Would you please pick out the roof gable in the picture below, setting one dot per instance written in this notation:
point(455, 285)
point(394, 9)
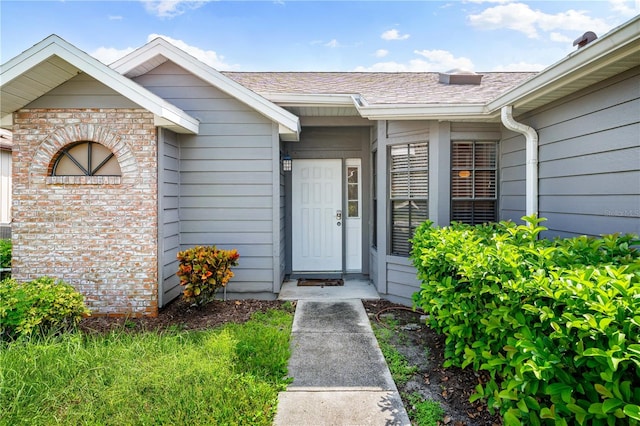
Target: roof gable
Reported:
point(53, 61)
point(612, 54)
point(158, 51)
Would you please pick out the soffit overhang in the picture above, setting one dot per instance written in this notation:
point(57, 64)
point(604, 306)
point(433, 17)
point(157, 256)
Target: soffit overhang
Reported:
point(610, 55)
point(53, 61)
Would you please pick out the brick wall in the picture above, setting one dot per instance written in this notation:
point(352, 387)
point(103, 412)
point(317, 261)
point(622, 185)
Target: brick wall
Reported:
point(97, 233)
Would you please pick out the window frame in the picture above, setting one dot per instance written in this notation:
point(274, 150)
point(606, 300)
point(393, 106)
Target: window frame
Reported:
point(421, 195)
point(374, 198)
point(89, 171)
point(473, 169)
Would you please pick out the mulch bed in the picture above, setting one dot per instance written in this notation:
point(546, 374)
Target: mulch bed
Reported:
point(179, 314)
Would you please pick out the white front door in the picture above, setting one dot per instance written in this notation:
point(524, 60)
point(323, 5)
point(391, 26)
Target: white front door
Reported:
point(317, 215)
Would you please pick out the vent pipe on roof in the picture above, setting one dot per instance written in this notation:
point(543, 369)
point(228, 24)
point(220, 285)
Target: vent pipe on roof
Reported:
point(531, 171)
point(585, 39)
point(460, 76)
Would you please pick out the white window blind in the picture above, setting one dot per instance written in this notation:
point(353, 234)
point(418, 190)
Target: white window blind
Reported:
point(474, 182)
point(409, 193)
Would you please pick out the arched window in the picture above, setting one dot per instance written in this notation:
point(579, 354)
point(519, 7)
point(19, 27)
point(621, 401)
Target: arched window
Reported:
point(85, 158)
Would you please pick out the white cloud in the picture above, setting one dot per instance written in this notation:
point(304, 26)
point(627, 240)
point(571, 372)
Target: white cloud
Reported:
point(209, 57)
point(115, 18)
point(560, 38)
point(520, 66)
point(108, 55)
point(488, 1)
point(626, 8)
point(383, 67)
point(436, 61)
point(381, 53)
point(394, 35)
point(520, 17)
point(333, 43)
point(171, 8)
point(441, 60)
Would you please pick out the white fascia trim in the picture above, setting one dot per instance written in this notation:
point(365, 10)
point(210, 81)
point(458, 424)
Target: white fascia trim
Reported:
point(55, 46)
point(309, 100)
point(288, 123)
point(618, 43)
point(423, 112)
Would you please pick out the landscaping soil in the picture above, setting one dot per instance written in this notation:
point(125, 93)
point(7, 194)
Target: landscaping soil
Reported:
point(422, 347)
point(179, 315)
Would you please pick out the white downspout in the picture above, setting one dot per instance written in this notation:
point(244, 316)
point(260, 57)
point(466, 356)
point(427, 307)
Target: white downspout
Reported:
point(531, 137)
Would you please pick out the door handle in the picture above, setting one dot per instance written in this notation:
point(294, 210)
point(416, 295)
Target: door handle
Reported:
point(339, 215)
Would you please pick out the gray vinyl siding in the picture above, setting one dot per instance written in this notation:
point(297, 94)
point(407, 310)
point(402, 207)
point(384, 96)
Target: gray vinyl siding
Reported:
point(589, 160)
point(226, 177)
point(82, 91)
point(329, 142)
point(168, 217)
point(512, 202)
point(402, 281)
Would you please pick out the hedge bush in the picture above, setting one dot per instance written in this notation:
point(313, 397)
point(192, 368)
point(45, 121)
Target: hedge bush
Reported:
point(5, 253)
point(43, 306)
point(556, 323)
point(203, 270)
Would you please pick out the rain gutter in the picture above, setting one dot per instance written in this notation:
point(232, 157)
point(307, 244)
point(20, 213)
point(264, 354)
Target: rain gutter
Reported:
point(531, 171)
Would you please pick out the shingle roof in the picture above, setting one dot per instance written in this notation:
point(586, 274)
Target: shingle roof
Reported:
point(381, 88)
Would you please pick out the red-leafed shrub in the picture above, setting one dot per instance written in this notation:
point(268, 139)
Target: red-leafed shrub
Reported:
point(203, 270)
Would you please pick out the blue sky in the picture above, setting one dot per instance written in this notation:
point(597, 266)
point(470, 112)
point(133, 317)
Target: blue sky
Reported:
point(480, 35)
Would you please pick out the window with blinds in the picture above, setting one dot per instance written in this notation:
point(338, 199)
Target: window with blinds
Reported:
point(474, 182)
point(374, 198)
point(409, 193)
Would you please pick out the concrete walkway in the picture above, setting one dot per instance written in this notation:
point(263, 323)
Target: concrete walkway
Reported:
point(339, 374)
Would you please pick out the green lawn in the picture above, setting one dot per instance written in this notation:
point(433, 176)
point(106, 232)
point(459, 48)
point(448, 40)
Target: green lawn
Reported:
point(231, 375)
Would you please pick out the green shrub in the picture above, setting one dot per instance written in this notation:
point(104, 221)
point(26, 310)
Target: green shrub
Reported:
point(556, 323)
point(5, 253)
point(203, 270)
point(42, 305)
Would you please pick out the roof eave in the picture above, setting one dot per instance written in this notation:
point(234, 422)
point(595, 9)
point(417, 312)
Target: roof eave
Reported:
point(310, 100)
point(289, 124)
point(55, 46)
point(472, 112)
point(620, 43)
